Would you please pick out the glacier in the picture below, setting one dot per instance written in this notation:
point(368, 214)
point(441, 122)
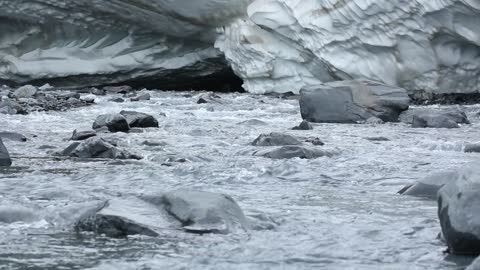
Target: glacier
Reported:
point(271, 45)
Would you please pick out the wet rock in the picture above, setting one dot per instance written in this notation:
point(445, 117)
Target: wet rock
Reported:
point(429, 186)
point(142, 97)
point(68, 95)
point(88, 99)
point(315, 141)
point(253, 122)
point(124, 89)
point(378, 139)
point(288, 152)
point(11, 107)
point(117, 100)
point(140, 120)
point(304, 125)
point(352, 101)
point(374, 121)
point(154, 143)
point(431, 118)
point(458, 211)
point(11, 214)
point(122, 217)
point(275, 139)
point(208, 98)
point(5, 160)
point(114, 122)
point(469, 148)
point(204, 212)
point(13, 136)
point(80, 135)
point(96, 148)
point(475, 265)
point(26, 91)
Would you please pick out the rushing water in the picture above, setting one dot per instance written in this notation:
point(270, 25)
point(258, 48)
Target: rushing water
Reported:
point(331, 213)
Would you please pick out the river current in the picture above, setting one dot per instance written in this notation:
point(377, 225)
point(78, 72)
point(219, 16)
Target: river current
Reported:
point(340, 212)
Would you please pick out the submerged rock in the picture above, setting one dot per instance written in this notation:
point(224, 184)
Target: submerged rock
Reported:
point(192, 211)
point(140, 120)
point(117, 100)
point(472, 148)
point(315, 141)
point(374, 121)
point(275, 139)
point(80, 135)
point(458, 211)
point(114, 122)
point(142, 97)
point(304, 125)
point(13, 136)
point(291, 151)
point(96, 148)
point(475, 265)
point(352, 101)
point(430, 185)
point(5, 160)
point(11, 214)
point(124, 89)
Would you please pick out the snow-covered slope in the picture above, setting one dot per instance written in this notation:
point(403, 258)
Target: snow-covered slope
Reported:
point(273, 45)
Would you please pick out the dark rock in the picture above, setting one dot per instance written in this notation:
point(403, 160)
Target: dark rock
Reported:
point(469, 148)
point(429, 186)
point(140, 120)
point(46, 147)
point(11, 107)
point(378, 139)
point(154, 143)
point(118, 100)
point(287, 152)
point(208, 98)
point(142, 97)
point(420, 117)
point(253, 122)
point(88, 99)
point(13, 136)
point(5, 160)
point(68, 95)
point(80, 135)
point(26, 91)
point(96, 148)
point(304, 125)
point(203, 212)
point(275, 139)
point(118, 89)
point(458, 211)
point(315, 141)
point(122, 217)
point(352, 101)
point(114, 122)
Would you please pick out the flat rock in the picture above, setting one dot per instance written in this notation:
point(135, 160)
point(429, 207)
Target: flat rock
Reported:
point(80, 135)
point(352, 101)
point(117, 100)
point(458, 211)
point(26, 91)
point(304, 125)
point(429, 186)
point(430, 118)
point(114, 122)
point(293, 151)
point(5, 160)
point(275, 139)
point(13, 136)
point(205, 212)
point(140, 120)
point(96, 148)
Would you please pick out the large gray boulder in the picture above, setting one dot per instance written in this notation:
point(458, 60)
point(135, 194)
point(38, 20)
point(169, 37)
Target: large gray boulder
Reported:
point(114, 122)
point(458, 210)
point(140, 120)
point(294, 151)
point(153, 215)
point(275, 139)
point(13, 136)
point(5, 160)
point(430, 185)
point(432, 118)
point(26, 91)
point(352, 101)
point(96, 148)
